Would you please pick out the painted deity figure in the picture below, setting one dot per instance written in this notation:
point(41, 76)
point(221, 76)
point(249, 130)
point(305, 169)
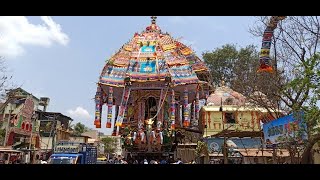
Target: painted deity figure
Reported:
point(149, 124)
point(139, 140)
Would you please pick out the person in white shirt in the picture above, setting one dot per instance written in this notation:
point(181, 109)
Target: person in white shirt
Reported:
point(145, 161)
point(43, 162)
point(179, 161)
point(155, 162)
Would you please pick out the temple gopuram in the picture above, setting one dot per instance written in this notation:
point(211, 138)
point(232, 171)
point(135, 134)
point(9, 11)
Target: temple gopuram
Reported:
point(151, 90)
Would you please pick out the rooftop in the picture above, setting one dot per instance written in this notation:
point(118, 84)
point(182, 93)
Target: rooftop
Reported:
point(224, 95)
point(52, 114)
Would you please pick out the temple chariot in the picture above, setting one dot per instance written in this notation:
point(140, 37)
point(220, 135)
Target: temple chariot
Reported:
point(151, 89)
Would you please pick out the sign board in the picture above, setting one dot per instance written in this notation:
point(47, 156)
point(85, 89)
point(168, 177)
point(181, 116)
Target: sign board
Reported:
point(215, 144)
point(284, 129)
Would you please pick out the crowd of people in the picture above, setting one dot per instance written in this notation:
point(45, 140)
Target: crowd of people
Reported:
point(121, 160)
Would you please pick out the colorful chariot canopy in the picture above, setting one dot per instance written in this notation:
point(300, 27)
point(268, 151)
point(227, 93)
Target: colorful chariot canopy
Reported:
point(152, 56)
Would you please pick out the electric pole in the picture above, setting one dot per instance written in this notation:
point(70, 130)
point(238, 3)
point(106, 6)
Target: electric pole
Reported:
point(225, 153)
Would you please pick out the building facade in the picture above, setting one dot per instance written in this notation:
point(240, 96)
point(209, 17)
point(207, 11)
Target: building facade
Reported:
point(17, 117)
point(227, 109)
point(79, 139)
point(232, 127)
point(54, 127)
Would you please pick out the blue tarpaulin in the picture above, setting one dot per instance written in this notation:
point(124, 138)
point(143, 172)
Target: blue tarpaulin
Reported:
point(215, 144)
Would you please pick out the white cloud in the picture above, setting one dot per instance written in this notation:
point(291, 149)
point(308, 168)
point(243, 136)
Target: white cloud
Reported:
point(79, 113)
point(17, 32)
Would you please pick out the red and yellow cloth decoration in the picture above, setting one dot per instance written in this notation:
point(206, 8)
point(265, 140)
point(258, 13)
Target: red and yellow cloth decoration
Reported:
point(110, 103)
point(197, 106)
point(186, 120)
point(173, 110)
point(98, 101)
point(265, 64)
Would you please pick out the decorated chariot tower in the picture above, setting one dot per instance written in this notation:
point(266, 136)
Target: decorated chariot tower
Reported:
point(151, 89)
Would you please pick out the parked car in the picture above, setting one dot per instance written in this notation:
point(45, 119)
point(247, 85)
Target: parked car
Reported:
point(102, 160)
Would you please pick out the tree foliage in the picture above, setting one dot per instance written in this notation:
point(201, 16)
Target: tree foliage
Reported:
point(110, 144)
point(5, 81)
point(294, 86)
point(79, 128)
point(202, 149)
point(310, 79)
point(295, 47)
point(221, 63)
point(295, 42)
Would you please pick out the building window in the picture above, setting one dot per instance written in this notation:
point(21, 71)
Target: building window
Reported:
point(230, 119)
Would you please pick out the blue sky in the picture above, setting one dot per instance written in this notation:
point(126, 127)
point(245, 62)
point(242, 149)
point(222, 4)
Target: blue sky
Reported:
point(61, 57)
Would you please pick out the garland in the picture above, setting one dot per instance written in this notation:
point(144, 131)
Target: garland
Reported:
point(98, 102)
point(197, 107)
point(172, 109)
point(110, 103)
point(186, 119)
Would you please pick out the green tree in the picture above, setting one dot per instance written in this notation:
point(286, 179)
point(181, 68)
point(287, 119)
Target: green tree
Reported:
point(202, 151)
point(79, 128)
point(295, 46)
point(295, 84)
point(110, 144)
point(237, 67)
point(309, 78)
point(221, 62)
point(294, 43)
point(5, 81)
